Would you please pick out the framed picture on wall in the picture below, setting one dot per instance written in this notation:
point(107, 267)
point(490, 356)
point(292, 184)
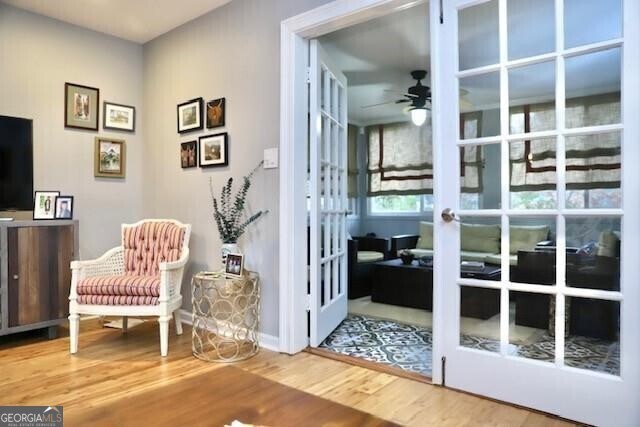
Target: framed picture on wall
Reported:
point(109, 158)
point(190, 115)
point(189, 154)
point(213, 150)
point(118, 117)
point(44, 204)
point(64, 207)
point(215, 113)
point(81, 106)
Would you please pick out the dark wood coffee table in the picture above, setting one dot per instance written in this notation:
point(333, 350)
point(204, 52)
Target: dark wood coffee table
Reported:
point(412, 286)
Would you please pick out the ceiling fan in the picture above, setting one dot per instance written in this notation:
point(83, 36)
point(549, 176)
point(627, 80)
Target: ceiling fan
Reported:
point(417, 96)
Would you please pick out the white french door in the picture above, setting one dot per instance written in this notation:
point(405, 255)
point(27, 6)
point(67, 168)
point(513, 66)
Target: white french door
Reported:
point(328, 191)
point(542, 145)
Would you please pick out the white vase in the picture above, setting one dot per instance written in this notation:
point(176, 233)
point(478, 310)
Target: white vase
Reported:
point(228, 248)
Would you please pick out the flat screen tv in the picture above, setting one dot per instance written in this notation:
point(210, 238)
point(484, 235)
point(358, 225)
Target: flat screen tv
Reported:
point(16, 164)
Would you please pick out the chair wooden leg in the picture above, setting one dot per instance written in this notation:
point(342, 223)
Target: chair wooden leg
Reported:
point(176, 317)
point(125, 324)
point(163, 321)
point(74, 329)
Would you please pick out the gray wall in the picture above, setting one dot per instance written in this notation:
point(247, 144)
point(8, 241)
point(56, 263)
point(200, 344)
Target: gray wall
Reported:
point(37, 56)
point(232, 52)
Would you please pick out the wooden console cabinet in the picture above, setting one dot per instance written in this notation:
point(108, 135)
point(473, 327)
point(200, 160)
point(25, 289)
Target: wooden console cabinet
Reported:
point(35, 275)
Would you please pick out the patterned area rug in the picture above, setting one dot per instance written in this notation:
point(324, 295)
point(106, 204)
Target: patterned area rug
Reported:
point(408, 347)
point(402, 346)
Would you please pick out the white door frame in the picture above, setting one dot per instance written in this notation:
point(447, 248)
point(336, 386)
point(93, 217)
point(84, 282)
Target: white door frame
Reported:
point(294, 53)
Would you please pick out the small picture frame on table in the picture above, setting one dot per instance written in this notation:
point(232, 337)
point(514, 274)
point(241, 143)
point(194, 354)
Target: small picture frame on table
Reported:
point(190, 115)
point(235, 265)
point(119, 117)
point(64, 207)
point(213, 150)
point(44, 204)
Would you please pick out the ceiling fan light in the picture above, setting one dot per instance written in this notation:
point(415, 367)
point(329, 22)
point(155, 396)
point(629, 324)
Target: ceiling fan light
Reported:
point(418, 116)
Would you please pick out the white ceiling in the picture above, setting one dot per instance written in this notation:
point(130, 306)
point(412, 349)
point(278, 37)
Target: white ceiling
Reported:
point(135, 20)
point(377, 56)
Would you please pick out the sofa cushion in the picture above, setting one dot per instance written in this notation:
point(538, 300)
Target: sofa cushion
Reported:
point(125, 285)
point(497, 260)
point(370, 256)
point(425, 241)
point(149, 244)
point(473, 256)
point(609, 244)
point(525, 238)
point(480, 238)
point(117, 300)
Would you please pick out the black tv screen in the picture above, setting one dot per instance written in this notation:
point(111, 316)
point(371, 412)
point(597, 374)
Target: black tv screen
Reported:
point(16, 164)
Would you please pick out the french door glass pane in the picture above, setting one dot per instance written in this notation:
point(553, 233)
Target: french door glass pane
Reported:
point(593, 341)
point(480, 243)
point(478, 35)
point(480, 106)
point(480, 177)
point(533, 174)
point(593, 171)
point(591, 21)
point(532, 326)
point(532, 250)
point(593, 88)
point(532, 94)
point(480, 318)
point(531, 27)
point(593, 253)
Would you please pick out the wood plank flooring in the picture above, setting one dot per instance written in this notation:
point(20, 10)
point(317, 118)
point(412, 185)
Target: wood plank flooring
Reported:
point(111, 368)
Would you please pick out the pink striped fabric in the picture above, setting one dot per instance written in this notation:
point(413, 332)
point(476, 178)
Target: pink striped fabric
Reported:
point(128, 285)
point(149, 244)
point(117, 300)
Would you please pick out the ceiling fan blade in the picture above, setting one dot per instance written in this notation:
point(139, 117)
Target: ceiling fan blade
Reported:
point(377, 105)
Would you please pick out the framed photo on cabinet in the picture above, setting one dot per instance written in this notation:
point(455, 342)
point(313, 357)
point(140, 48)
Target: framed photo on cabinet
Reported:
point(44, 204)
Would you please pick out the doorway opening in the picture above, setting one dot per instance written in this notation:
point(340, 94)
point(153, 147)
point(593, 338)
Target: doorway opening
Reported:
point(385, 63)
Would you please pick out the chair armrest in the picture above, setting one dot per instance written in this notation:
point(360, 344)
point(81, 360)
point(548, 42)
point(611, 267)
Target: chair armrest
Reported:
point(171, 274)
point(375, 244)
point(404, 241)
point(111, 262)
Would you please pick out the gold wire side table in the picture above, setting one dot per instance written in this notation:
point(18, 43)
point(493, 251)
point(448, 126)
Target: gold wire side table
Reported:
point(226, 314)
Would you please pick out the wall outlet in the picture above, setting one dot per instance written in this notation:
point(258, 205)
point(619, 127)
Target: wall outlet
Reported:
point(270, 158)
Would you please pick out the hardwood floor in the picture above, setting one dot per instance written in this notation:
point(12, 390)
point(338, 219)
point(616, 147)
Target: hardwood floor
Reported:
point(111, 368)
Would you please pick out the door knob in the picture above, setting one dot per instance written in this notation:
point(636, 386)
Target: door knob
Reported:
point(449, 215)
point(15, 277)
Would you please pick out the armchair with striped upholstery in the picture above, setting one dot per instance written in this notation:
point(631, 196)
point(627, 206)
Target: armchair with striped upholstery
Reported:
point(142, 277)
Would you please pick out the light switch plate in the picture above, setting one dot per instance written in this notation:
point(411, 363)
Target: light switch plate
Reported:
point(270, 158)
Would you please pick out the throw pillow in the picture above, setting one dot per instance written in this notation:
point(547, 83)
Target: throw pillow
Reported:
point(425, 241)
point(480, 238)
point(525, 238)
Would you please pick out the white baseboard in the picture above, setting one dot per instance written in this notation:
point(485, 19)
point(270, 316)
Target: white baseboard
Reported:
point(269, 342)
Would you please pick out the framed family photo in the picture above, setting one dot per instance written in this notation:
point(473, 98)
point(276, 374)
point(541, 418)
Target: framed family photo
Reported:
point(215, 113)
point(235, 265)
point(64, 207)
point(44, 204)
point(213, 150)
point(82, 106)
point(189, 154)
point(119, 117)
point(190, 115)
point(109, 158)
